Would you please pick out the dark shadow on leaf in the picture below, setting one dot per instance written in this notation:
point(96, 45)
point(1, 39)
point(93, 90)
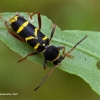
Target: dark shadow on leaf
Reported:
point(98, 65)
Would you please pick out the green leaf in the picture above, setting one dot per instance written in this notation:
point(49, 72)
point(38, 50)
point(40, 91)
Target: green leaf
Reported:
point(86, 55)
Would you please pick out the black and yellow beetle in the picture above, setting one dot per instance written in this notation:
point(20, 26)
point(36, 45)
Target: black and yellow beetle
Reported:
point(35, 38)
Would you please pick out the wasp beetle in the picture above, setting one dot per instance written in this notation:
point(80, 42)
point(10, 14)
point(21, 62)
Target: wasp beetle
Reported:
point(40, 42)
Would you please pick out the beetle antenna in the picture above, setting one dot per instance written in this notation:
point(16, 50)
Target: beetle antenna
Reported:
point(46, 77)
point(75, 45)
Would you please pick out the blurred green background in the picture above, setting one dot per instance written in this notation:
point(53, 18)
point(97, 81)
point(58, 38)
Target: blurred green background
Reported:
point(22, 78)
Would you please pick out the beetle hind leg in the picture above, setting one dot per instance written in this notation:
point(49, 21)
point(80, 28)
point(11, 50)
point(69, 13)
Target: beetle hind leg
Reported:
point(10, 31)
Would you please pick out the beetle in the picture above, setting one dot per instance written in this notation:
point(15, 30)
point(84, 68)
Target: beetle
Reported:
point(27, 32)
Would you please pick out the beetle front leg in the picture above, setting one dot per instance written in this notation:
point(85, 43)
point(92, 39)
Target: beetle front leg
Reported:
point(63, 52)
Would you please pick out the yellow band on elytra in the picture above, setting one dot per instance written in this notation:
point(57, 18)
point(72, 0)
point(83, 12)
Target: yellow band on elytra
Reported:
point(29, 38)
point(44, 38)
point(22, 27)
point(37, 45)
point(36, 31)
point(14, 19)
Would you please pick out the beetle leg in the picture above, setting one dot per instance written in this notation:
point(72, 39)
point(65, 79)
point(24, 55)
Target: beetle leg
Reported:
point(63, 52)
point(30, 54)
point(39, 18)
point(10, 31)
